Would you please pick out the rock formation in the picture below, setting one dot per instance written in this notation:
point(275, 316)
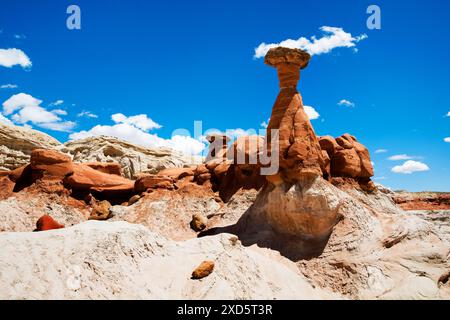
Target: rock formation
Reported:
point(298, 150)
point(133, 159)
point(118, 260)
point(316, 228)
point(16, 144)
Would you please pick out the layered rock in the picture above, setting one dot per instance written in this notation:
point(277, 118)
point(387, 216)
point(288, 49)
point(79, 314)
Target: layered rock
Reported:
point(133, 159)
point(348, 157)
point(17, 143)
point(299, 151)
point(118, 260)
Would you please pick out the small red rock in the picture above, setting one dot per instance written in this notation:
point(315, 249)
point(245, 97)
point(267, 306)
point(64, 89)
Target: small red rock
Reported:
point(47, 223)
point(203, 270)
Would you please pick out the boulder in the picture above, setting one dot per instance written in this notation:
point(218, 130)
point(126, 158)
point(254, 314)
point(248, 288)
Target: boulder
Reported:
point(351, 160)
point(85, 178)
point(346, 163)
point(177, 173)
point(46, 223)
point(203, 270)
point(100, 211)
point(329, 144)
point(50, 164)
point(198, 222)
point(151, 181)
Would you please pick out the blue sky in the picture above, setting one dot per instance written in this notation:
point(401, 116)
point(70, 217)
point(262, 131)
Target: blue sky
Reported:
point(183, 61)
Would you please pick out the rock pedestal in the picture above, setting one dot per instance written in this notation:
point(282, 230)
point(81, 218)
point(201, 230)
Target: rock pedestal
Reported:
point(299, 150)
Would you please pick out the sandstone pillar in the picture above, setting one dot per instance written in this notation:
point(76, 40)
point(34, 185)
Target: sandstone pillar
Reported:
point(299, 150)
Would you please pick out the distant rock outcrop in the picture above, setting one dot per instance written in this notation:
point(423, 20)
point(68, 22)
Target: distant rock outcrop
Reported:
point(16, 144)
point(133, 159)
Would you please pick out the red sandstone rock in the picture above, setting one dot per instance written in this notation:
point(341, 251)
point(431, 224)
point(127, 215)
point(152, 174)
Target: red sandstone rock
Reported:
point(346, 163)
point(344, 142)
point(109, 167)
point(50, 164)
point(327, 164)
point(177, 173)
point(352, 160)
point(85, 178)
point(203, 270)
point(202, 178)
point(46, 223)
point(299, 149)
point(6, 187)
point(329, 144)
point(151, 181)
point(201, 169)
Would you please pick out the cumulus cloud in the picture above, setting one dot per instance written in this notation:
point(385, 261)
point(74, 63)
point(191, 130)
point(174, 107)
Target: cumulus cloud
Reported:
point(140, 121)
point(311, 113)
point(448, 114)
point(332, 38)
point(346, 103)
point(56, 103)
point(381, 151)
point(410, 166)
point(12, 57)
point(87, 114)
point(135, 130)
point(25, 109)
point(8, 86)
point(447, 139)
point(60, 112)
point(398, 157)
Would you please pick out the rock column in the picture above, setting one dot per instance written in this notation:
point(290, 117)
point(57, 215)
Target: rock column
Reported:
point(299, 151)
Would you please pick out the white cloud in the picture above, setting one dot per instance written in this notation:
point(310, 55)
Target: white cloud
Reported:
point(26, 109)
point(346, 103)
point(87, 114)
point(8, 86)
point(4, 120)
point(12, 57)
point(398, 157)
point(381, 151)
point(34, 114)
point(333, 38)
point(448, 114)
point(65, 126)
point(140, 121)
point(56, 103)
point(19, 36)
point(410, 166)
point(60, 112)
point(379, 178)
point(18, 101)
point(447, 139)
point(264, 124)
point(311, 112)
point(133, 134)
